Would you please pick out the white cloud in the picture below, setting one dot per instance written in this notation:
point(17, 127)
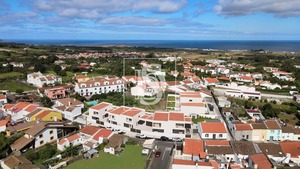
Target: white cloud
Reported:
point(98, 8)
point(134, 20)
point(280, 8)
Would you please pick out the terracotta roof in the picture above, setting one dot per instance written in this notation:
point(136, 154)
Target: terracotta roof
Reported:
point(104, 133)
point(253, 111)
point(72, 101)
point(42, 114)
point(119, 110)
point(213, 127)
point(21, 105)
point(73, 137)
point(190, 94)
point(192, 163)
point(272, 124)
point(8, 106)
point(243, 147)
point(211, 80)
point(271, 149)
point(21, 143)
point(161, 116)
point(115, 140)
point(132, 112)
point(19, 162)
point(245, 77)
point(194, 147)
point(217, 143)
point(5, 121)
point(243, 127)
point(62, 141)
point(288, 129)
point(176, 116)
point(291, 147)
point(193, 104)
point(261, 161)
point(188, 119)
point(20, 127)
point(31, 108)
point(2, 96)
point(89, 130)
point(37, 128)
point(100, 106)
point(224, 78)
point(259, 126)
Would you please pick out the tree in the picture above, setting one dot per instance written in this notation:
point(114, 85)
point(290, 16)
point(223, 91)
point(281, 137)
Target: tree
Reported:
point(46, 101)
point(38, 67)
point(19, 91)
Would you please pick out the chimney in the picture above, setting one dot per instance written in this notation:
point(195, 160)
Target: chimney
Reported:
point(69, 103)
point(255, 166)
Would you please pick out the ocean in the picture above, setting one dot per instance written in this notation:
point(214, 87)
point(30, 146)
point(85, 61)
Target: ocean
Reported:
point(276, 46)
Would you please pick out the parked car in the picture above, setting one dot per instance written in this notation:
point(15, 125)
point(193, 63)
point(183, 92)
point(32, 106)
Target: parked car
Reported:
point(108, 128)
point(118, 131)
point(143, 136)
point(177, 139)
point(164, 138)
point(145, 152)
point(157, 154)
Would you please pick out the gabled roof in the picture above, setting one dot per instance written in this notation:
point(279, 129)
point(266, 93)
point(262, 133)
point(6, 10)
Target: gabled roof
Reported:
point(243, 147)
point(243, 127)
point(194, 147)
point(217, 143)
point(176, 116)
point(213, 127)
point(89, 130)
point(69, 101)
point(259, 126)
point(100, 106)
point(158, 116)
point(291, 147)
point(272, 124)
point(261, 161)
point(211, 80)
point(104, 133)
point(271, 149)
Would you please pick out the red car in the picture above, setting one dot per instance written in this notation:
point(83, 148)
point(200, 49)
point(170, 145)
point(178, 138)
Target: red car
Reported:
point(157, 154)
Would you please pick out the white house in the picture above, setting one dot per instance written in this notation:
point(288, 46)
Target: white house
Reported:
point(212, 130)
point(99, 85)
point(269, 85)
point(73, 140)
point(255, 114)
point(69, 107)
point(190, 164)
point(38, 79)
point(219, 149)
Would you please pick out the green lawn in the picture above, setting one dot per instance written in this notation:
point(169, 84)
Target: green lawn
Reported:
point(200, 119)
point(171, 98)
point(171, 104)
point(131, 158)
point(14, 85)
point(11, 75)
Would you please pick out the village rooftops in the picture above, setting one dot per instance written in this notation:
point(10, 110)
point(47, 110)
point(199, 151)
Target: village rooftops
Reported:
point(218, 147)
point(126, 111)
point(167, 116)
point(243, 147)
point(243, 127)
point(104, 133)
point(211, 163)
point(190, 94)
point(69, 138)
point(211, 80)
point(69, 102)
point(89, 130)
point(253, 111)
point(272, 149)
point(19, 162)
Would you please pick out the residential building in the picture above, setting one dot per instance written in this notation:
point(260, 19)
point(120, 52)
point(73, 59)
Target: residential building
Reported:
point(260, 161)
point(99, 85)
point(255, 114)
point(114, 144)
point(193, 149)
point(81, 78)
point(220, 150)
point(259, 132)
point(3, 99)
point(39, 80)
point(40, 134)
point(212, 130)
point(73, 140)
point(98, 114)
point(14, 162)
point(190, 164)
point(272, 150)
point(247, 79)
point(292, 151)
point(69, 107)
point(287, 133)
point(240, 131)
point(274, 130)
point(55, 93)
point(44, 115)
point(242, 150)
point(210, 81)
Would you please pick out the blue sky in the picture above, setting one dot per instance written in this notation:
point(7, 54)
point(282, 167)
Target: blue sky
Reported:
point(150, 19)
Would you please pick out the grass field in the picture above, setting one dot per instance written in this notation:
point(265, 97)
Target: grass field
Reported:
point(290, 118)
point(200, 119)
point(11, 75)
point(13, 85)
point(131, 158)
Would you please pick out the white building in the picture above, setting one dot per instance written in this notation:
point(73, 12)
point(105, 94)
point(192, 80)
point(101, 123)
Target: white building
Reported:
point(3, 99)
point(69, 107)
point(38, 79)
point(73, 140)
point(99, 85)
point(212, 130)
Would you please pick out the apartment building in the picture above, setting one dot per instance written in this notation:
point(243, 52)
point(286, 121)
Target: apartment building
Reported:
point(38, 79)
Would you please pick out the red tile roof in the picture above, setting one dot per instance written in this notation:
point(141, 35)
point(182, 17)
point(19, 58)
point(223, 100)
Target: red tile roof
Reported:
point(272, 124)
point(262, 161)
point(176, 117)
point(132, 112)
point(161, 116)
point(243, 127)
point(119, 110)
point(194, 147)
point(62, 141)
point(31, 108)
point(73, 137)
point(245, 77)
point(291, 147)
point(8, 106)
point(100, 106)
point(213, 127)
point(21, 105)
point(104, 133)
point(193, 104)
point(89, 130)
point(2, 96)
point(253, 111)
point(211, 80)
point(217, 143)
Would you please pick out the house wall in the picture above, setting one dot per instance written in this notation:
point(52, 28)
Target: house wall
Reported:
point(275, 134)
point(259, 134)
point(109, 150)
point(219, 136)
point(287, 136)
point(47, 137)
point(178, 166)
point(296, 137)
point(239, 135)
point(87, 91)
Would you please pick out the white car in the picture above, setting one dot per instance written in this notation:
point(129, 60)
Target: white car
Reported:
point(119, 131)
point(141, 136)
point(177, 139)
point(145, 151)
point(108, 128)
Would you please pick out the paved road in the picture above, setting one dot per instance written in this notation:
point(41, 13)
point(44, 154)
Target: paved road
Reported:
point(276, 96)
point(165, 159)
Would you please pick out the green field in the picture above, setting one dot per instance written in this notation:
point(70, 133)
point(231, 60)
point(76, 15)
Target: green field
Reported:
point(131, 158)
point(13, 85)
point(200, 119)
point(11, 75)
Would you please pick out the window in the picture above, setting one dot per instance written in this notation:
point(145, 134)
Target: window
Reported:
point(41, 135)
point(41, 142)
point(95, 113)
point(129, 119)
point(206, 135)
point(51, 138)
point(51, 131)
point(190, 100)
point(220, 135)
